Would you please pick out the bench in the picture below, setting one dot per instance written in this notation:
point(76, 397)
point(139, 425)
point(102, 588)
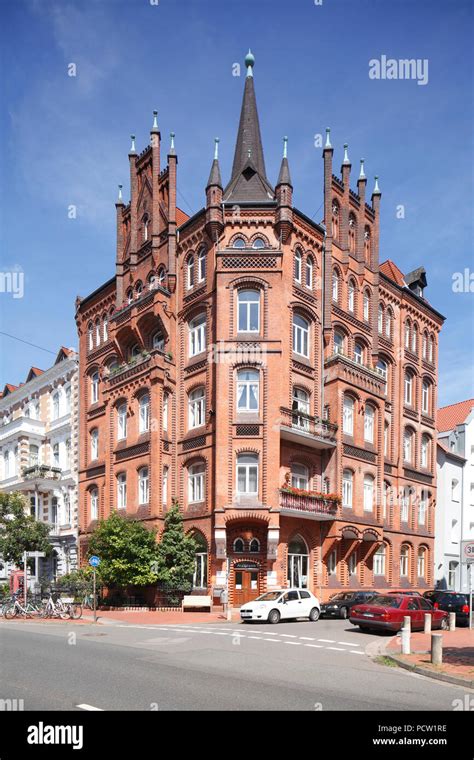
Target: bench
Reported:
point(194, 601)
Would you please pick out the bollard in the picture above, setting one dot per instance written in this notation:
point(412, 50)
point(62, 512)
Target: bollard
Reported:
point(436, 648)
point(452, 621)
point(405, 632)
point(229, 613)
point(427, 622)
point(407, 622)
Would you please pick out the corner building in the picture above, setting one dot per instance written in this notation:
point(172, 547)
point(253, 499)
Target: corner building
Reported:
point(266, 372)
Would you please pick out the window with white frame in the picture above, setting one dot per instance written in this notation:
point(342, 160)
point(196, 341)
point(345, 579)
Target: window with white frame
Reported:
point(408, 445)
point(421, 562)
point(165, 411)
point(431, 350)
point(347, 488)
point(196, 408)
point(247, 390)
point(351, 296)
point(332, 562)
point(249, 311)
point(408, 388)
point(358, 353)
point(386, 439)
point(300, 408)
point(105, 328)
point(190, 271)
point(196, 483)
point(298, 258)
point(407, 334)
point(338, 342)
point(143, 486)
point(144, 413)
point(238, 243)
point(34, 455)
point(352, 563)
point(422, 507)
point(388, 323)
point(56, 457)
point(68, 446)
point(380, 319)
point(94, 504)
point(379, 560)
point(164, 485)
point(348, 416)
point(200, 562)
point(247, 474)
point(197, 335)
point(55, 405)
point(6, 464)
point(425, 451)
point(414, 339)
point(90, 336)
point(385, 498)
point(424, 345)
point(258, 243)
point(121, 490)
point(300, 335)
point(122, 422)
point(202, 265)
point(94, 388)
point(158, 341)
point(309, 272)
point(404, 561)
point(369, 423)
point(425, 397)
point(67, 398)
point(299, 476)
point(97, 332)
point(94, 439)
point(335, 286)
point(368, 493)
point(366, 306)
point(405, 504)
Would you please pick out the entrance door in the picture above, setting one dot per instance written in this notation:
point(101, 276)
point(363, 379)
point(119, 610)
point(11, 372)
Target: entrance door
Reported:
point(245, 586)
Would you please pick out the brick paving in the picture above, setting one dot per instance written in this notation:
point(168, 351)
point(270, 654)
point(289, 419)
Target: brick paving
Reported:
point(458, 652)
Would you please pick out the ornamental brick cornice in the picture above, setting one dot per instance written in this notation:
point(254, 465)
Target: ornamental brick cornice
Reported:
point(348, 317)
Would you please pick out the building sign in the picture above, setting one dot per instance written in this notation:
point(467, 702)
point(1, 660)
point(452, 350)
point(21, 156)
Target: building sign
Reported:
point(246, 565)
point(467, 552)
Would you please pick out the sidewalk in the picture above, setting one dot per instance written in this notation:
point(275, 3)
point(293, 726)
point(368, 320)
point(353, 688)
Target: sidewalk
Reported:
point(458, 656)
point(152, 617)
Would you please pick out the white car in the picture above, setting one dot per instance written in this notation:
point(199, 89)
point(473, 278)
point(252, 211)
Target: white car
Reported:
point(282, 604)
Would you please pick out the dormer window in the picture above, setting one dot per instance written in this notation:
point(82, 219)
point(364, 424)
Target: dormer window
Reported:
point(239, 243)
point(258, 243)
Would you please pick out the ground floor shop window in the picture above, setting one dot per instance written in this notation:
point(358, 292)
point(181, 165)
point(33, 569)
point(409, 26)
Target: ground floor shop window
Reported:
point(298, 562)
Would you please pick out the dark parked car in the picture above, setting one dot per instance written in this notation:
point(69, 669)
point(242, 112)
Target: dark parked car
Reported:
point(451, 601)
point(386, 612)
point(339, 605)
point(404, 592)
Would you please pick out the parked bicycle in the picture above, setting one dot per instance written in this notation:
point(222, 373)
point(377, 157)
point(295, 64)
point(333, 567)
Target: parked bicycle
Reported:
point(16, 608)
point(63, 608)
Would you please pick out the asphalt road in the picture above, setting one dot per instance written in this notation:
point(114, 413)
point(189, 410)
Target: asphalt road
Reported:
point(291, 666)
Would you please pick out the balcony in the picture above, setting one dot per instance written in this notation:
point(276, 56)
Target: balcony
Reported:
point(303, 429)
point(22, 426)
point(308, 504)
point(146, 360)
point(42, 472)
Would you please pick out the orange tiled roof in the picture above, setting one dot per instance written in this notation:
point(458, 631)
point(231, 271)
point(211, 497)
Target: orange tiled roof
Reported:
point(67, 351)
point(454, 414)
point(36, 371)
point(390, 270)
point(181, 217)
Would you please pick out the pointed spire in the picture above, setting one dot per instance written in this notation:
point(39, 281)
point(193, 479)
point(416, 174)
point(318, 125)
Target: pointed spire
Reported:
point(155, 122)
point(215, 175)
point(284, 176)
point(328, 139)
point(249, 180)
point(132, 147)
point(362, 173)
point(346, 160)
point(376, 190)
point(120, 199)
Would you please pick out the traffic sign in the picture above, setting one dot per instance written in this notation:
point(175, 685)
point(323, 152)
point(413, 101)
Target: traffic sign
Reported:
point(467, 552)
point(35, 554)
point(94, 561)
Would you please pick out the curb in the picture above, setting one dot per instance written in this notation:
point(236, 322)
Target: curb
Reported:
point(429, 673)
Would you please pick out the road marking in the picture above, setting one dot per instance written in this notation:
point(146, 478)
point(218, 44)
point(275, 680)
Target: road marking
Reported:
point(356, 651)
point(315, 646)
point(288, 635)
point(90, 707)
point(347, 643)
point(277, 641)
point(295, 643)
point(256, 637)
point(307, 638)
point(327, 641)
point(337, 649)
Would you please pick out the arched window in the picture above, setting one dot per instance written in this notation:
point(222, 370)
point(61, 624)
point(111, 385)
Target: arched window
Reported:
point(190, 271)
point(386, 439)
point(55, 399)
point(164, 485)
point(338, 342)
point(367, 245)
point(258, 243)
point(122, 490)
point(368, 493)
point(352, 563)
point(247, 474)
point(366, 306)
point(335, 286)
point(94, 440)
point(94, 504)
point(239, 545)
point(358, 352)
point(129, 296)
point(380, 560)
point(138, 289)
point(408, 388)
point(425, 451)
point(300, 408)
point(385, 498)
point(299, 476)
point(300, 335)
point(404, 561)
point(347, 487)
point(97, 332)
point(144, 413)
point(105, 327)
point(351, 296)
point(388, 323)
point(298, 562)
point(309, 272)
point(202, 265)
point(414, 339)
point(161, 276)
point(369, 423)
point(348, 416)
point(298, 265)
point(196, 408)
point(135, 351)
point(335, 220)
point(254, 546)
point(249, 311)
point(146, 222)
point(405, 511)
point(143, 486)
point(382, 369)
point(248, 390)
point(352, 233)
point(196, 483)
point(408, 445)
point(56, 459)
point(158, 341)
point(94, 387)
point(68, 456)
point(34, 455)
point(380, 318)
point(90, 336)
point(407, 333)
point(122, 422)
point(200, 562)
point(422, 507)
point(166, 397)
point(197, 335)
point(425, 397)
point(239, 243)
point(424, 345)
point(421, 562)
point(431, 350)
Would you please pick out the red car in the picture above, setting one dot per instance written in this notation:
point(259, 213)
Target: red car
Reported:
point(386, 612)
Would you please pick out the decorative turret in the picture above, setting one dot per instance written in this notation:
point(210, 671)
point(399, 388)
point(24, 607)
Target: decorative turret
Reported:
point(346, 181)
point(155, 142)
point(132, 155)
point(327, 158)
point(172, 169)
point(214, 214)
point(119, 207)
point(284, 197)
point(361, 189)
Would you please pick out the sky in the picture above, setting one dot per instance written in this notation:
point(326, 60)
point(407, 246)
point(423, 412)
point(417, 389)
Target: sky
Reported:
point(64, 139)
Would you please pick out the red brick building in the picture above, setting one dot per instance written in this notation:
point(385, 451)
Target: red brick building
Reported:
point(268, 373)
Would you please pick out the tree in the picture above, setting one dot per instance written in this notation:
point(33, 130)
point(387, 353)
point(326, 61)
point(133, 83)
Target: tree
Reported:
point(127, 551)
point(176, 552)
point(19, 531)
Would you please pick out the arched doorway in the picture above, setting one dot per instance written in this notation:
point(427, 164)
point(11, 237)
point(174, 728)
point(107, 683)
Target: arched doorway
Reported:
point(298, 563)
point(246, 581)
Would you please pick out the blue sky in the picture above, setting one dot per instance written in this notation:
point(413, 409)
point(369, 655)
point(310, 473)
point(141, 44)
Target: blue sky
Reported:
point(64, 140)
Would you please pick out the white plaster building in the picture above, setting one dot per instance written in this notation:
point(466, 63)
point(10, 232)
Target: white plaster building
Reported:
point(455, 504)
point(38, 455)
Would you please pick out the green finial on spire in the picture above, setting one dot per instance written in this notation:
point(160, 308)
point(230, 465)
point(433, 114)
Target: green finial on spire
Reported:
point(376, 190)
point(155, 121)
point(250, 62)
point(346, 155)
point(120, 193)
point(362, 173)
point(172, 136)
point(132, 148)
point(216, 148)
point(328, 138)
point(285, 147)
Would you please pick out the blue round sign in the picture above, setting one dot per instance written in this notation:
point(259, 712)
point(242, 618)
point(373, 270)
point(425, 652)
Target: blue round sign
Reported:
point(94, 561)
